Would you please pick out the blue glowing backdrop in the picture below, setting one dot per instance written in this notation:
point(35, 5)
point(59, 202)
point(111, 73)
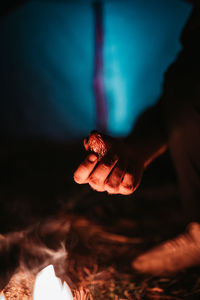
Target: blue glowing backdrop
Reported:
point(47, 64)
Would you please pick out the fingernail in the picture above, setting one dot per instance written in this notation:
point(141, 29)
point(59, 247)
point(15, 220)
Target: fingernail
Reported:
point(92, 158)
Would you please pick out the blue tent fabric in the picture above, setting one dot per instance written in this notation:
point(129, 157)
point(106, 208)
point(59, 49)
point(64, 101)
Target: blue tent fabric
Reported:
point(142, 40)
point(47, 64)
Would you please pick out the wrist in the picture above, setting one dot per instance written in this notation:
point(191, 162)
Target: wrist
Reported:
point(144, 152)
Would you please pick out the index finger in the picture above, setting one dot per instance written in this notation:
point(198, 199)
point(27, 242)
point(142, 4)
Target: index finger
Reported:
point(83, 171)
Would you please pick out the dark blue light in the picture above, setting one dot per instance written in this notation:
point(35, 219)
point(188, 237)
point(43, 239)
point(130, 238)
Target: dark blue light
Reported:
point(142, 39)
point(47, 64)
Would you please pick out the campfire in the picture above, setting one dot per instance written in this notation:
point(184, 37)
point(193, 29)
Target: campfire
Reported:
point(49, 286)
point(40, 272)
point(50, 269)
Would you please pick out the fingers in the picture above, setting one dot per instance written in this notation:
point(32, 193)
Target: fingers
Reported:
point(127, 185)
point(99, 175)
point(108, 174)
point(113, 181)
point(95, 173)
point(82, 173)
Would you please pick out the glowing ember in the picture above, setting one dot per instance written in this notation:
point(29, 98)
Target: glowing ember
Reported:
point(48, 286)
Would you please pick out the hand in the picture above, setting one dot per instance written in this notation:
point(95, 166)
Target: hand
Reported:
point(111, 166)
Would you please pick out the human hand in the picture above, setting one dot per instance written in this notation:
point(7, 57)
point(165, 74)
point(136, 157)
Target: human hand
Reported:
point(111, 166)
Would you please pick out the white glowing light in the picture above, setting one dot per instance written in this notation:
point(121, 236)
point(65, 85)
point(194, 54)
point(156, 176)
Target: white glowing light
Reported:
point(48, 286)
point(2, 297)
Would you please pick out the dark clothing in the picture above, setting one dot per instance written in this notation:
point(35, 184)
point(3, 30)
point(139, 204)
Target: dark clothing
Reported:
point(181, 114)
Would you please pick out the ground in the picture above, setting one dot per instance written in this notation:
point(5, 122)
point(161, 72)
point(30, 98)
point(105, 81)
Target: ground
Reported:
point(106, 232)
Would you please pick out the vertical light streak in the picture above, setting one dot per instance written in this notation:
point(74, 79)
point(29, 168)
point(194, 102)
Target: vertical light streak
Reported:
point(98, 80)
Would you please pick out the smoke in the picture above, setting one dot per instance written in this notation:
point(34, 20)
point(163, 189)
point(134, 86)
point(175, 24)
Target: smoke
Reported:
point(33, 249)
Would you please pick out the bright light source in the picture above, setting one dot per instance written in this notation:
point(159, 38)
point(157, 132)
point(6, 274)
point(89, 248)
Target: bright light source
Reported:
point(2, 297)
point(48, 286)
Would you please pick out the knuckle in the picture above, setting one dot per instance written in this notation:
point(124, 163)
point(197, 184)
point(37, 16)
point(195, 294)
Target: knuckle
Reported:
point(96, 185)
point(127, 188)
point(111, 187)
point(85, 164)
point(77, 177)
point(90, 160)
point(110, 160)
point(110, 184)
point(105, 166)
point(94, 180)
point(118, 173)
point(111, 190)
point(108, 163)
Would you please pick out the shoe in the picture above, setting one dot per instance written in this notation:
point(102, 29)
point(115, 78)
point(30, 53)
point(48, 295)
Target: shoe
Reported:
point(172, 256)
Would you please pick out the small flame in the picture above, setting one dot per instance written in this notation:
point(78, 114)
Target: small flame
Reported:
point(2, 297)
point(48, 286)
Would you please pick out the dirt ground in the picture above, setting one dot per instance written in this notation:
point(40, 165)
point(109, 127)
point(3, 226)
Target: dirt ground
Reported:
point(105, 232)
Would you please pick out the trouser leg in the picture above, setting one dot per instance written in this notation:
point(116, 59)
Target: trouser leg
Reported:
point(184, 145)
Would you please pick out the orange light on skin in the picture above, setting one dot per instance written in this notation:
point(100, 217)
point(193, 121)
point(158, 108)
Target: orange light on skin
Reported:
point(48, 286)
